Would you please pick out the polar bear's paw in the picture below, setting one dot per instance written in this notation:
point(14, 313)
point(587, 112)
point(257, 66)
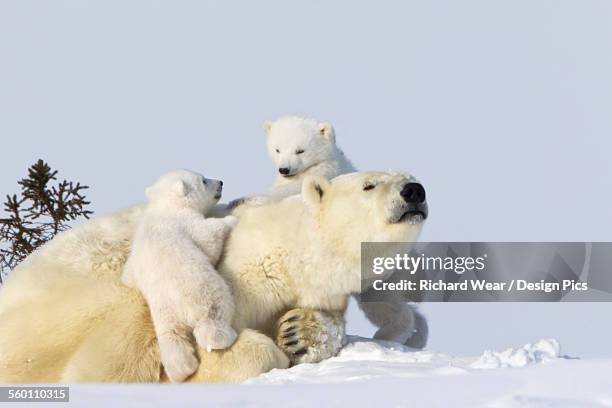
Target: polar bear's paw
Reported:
point(178, 358)
point(258, 200)
point(230, 220)
point(214, 335)
point(308, 336)
point(250, 201)
point(235, 203)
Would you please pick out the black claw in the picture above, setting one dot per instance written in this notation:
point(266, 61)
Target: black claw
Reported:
point(287, 335)
point(292, 319)
point(290, 328)
point(300, 352)
point(292, 343)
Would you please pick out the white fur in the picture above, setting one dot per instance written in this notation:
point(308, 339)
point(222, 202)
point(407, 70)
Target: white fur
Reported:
point(172, 263)
point(320, 155)
point(64, 316)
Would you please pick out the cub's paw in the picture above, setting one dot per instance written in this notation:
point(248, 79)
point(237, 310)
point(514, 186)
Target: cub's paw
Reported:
point(213, 335)
point(235, 203)
point(308, 336)
point(249, 201)
point(178, 359)
point(258, 200)
point(230, 221)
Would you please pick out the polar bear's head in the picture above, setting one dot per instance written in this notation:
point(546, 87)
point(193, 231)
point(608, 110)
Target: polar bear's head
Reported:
point(365, 207)
point(185, 189)
point(296, 144)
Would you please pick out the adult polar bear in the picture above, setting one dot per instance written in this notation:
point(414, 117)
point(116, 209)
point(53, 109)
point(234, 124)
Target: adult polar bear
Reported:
point(64, 315)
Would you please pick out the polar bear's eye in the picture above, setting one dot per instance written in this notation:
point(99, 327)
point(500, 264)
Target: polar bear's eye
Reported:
point(277, 151)
point(368, 187)
point(204, 181)
point(299, 151)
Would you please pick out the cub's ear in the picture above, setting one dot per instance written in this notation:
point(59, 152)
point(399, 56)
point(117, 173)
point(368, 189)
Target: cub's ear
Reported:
point(180, 187)
point(314, 189)
point(327, 131)
point(267, 125)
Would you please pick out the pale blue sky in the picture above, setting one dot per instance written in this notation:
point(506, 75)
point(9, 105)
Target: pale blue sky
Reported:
point(501, 108)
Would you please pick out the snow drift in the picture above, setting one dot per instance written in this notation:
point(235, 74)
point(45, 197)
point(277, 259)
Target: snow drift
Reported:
point(370, 373)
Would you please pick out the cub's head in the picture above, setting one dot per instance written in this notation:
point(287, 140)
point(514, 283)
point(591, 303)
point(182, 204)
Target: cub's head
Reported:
point(364, 207)
point(296, 144)
point(185, 189)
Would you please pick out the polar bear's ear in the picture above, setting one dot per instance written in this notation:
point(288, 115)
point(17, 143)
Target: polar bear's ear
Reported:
point(180, 187)
point(267, 125)
point(314, 189)
point(327, 131)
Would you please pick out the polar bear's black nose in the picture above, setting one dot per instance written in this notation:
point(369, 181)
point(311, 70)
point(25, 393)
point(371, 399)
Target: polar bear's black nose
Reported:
point(284, 170)
point(413, 193)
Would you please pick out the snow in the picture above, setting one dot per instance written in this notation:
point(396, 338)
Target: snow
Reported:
point(364, 360)
point(543, 350)
point(376, 373)
point(367, 359)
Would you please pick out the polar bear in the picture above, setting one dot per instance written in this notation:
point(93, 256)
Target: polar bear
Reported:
point(300, 147)
point(172, 263)
point(291, 265)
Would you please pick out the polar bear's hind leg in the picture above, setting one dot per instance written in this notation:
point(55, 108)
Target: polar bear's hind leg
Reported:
point(252, 354)
point(122, 348)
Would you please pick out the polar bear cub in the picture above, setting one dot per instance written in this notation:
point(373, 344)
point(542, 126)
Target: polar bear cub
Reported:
point(301, 147)
point(172, 263)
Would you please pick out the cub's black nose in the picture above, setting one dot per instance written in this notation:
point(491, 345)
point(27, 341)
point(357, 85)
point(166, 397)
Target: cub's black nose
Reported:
point(413, 193)
point(220, 183)
point(284, 170)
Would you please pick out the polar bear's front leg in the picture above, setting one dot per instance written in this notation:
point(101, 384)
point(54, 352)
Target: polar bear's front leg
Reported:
point(211, 233)
point(310, 336)
point(177, 353)
point(397, 320)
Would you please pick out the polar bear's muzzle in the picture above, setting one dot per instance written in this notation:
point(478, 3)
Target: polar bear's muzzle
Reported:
point(414, 206)
point(414, 215)
point(219, 190)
